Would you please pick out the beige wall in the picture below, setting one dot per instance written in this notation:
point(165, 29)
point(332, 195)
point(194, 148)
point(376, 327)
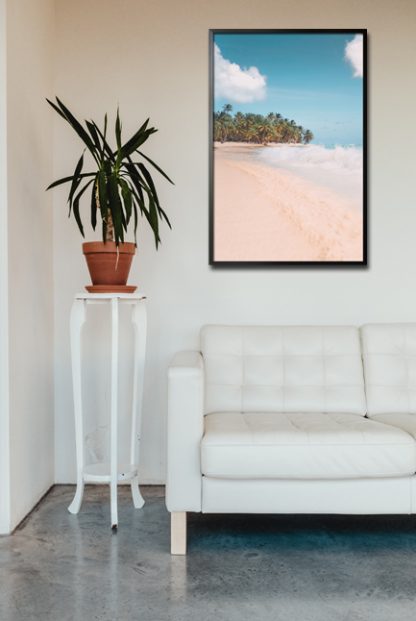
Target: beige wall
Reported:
point(30, 283)
point(152, 59)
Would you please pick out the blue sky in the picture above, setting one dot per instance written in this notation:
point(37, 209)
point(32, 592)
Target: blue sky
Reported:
point(315, 79)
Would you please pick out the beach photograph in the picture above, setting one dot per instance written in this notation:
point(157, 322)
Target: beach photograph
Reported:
point(288, 147)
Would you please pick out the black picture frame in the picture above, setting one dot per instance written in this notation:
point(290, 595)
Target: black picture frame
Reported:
point(297, 263)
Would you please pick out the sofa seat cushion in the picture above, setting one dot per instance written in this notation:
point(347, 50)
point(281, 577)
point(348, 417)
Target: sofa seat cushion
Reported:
point(303, 446)
point(405, 422)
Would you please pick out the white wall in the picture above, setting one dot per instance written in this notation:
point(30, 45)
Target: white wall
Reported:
point(152, 59)
point(4, 349)
point(30, 283)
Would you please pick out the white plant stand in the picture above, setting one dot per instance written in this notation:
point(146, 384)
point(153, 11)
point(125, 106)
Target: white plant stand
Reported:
point(111, 473)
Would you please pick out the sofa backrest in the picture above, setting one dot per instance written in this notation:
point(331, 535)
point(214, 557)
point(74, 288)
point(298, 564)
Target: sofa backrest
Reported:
point(389, 354)
point(283, 369)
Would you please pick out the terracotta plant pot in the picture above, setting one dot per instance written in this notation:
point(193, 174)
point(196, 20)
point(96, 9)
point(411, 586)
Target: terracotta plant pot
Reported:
point(107, 265)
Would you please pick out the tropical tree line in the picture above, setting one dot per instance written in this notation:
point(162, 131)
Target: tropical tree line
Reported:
point(257, 128)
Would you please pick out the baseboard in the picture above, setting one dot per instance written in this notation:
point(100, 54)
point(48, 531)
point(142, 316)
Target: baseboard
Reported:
point(22, 522)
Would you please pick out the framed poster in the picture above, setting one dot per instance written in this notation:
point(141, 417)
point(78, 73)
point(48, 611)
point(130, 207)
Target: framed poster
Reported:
point(288, 150)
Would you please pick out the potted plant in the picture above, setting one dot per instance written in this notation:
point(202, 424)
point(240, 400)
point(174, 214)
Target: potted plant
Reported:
point(120, 188)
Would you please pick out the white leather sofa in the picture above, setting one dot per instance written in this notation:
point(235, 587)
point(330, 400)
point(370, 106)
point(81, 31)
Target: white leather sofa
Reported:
point(292, 420)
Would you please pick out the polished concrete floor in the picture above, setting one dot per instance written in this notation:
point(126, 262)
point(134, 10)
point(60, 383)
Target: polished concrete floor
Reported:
point(60, 567)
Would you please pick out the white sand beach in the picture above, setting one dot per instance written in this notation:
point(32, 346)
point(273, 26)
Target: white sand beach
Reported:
point(271, 214)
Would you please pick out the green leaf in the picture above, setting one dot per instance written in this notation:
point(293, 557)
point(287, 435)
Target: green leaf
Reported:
point(135, 222)
point(105, 125)
point(118, 130)
point(149, 180)
point(76, 125)
point(135, 216)
point(149, 218)
point(102, 194)
point(136, 183)
point(76, 207)
point(67, 179)
point(76, 181)
point(154, 220)
point(82, 190)
point(150, 183)
point(138, 201)
point(106, 147)
point(155, 166)
point(165, 217)
point(94, 136)
point(121, 204)
point(127, 198)
point(94, 204)
point(55, 107)
point(139, 132)
point(135, 174)
point(107, 167)
point(78, 218)
point(146, 213)
point(134, 143)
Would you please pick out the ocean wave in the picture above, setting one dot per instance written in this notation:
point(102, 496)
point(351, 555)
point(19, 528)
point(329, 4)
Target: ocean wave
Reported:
point(339, 158)
point(339, 168)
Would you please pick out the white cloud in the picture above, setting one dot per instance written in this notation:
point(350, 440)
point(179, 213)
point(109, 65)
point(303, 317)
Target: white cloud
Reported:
point(236, 84)
point(354, 55)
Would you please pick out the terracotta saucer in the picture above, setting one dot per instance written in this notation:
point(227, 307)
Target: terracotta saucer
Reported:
point(111, 288)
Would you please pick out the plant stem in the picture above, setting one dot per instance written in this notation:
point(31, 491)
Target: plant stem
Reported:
point(109, 231)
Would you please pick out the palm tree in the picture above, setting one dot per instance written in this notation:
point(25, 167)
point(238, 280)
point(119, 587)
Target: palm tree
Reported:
point(265, 132)
point(277, 132)
point(239, 127)
point(257, 128)
point(307, 136)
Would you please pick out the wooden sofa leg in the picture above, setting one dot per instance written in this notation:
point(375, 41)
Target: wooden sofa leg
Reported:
point(178, 532)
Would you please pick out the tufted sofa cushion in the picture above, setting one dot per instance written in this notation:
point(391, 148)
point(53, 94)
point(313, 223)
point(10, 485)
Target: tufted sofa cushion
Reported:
point(389, 353)
point(303, 446)
point(406, 422)
point(283, 369)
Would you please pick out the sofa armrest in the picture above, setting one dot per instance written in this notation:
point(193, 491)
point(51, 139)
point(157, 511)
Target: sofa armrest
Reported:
point(185, 430)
